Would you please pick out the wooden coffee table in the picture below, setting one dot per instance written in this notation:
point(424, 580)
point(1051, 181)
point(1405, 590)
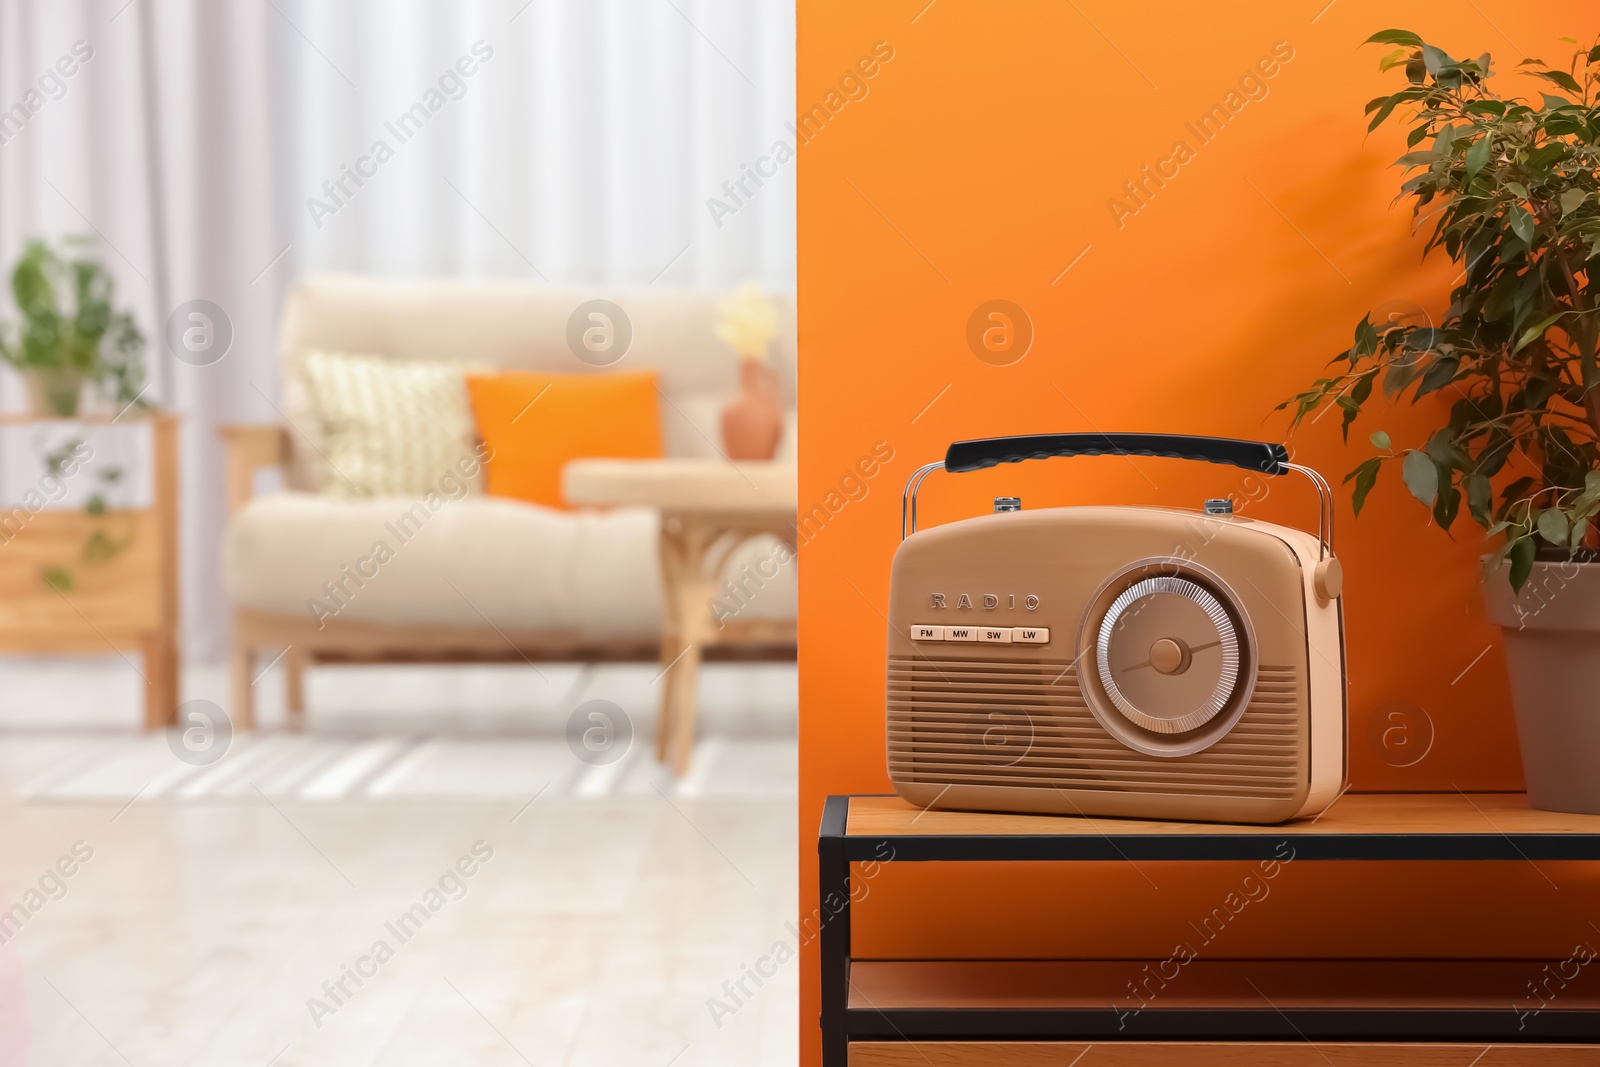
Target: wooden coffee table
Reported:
point(708, 508)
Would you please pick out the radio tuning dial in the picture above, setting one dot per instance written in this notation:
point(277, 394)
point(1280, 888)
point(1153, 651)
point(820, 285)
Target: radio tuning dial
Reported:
point(1173, 660)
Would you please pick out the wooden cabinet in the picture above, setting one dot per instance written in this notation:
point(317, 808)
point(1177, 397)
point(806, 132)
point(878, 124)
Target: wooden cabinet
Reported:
point(1187, 1008)
point(127, 604)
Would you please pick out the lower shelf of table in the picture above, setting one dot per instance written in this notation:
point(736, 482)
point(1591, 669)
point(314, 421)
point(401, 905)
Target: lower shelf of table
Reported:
point(1213, 1054)
point(1222, 1000)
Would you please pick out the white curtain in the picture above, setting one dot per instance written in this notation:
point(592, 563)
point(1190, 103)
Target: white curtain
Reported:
point(219, 149)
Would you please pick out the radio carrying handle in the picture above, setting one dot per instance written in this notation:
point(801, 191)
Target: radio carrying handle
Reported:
point(1257, 456)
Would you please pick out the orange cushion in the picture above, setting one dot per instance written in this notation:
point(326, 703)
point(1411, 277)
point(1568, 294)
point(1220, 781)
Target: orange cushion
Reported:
point(533, 423)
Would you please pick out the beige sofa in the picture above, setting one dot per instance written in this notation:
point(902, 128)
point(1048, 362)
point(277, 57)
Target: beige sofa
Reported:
point(479, 576)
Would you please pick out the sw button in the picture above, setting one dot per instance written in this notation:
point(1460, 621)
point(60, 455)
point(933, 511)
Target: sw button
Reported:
point(1000, 636)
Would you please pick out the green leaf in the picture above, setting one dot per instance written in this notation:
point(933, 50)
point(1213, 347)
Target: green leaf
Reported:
point(1494, 454)
point(1572, 199)
point(1521, 223)
point(1400, 37)
point(1394, 59)
point(1536, 331)
point(1580, 534)
point(1379, 439)
point(1366, 338)
point(1449, 502)
point(58, 578)
point(1389, 105)
point(1440, 373)
point(1366, 476)
point(1561, 78)
point(1522, 553)
point(1518, 188)
point(1477, 156)
point(1480, 498)
point(1554, 527)
point(1546, 155)
point(1421, 476)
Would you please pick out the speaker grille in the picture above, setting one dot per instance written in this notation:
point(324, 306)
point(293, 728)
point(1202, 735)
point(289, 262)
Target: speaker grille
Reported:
point(1024, 724)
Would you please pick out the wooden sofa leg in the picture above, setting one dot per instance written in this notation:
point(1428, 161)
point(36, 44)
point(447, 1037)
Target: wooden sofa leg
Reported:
point(294, 667)
point(241, 667)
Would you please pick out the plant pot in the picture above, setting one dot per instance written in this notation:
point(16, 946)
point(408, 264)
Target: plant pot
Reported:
point(753, 422)
point(54, 392)
point(1552, 643)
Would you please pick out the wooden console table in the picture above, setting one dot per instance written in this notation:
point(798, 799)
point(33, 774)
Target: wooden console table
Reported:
point(128, 603)
point(1237, 1013)
point(708, 508)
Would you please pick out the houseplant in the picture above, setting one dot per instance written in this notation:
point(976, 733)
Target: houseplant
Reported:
point(70, 334)
point(1508, 186)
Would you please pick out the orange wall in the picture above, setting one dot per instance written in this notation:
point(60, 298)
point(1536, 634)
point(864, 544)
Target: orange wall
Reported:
point(978, 167)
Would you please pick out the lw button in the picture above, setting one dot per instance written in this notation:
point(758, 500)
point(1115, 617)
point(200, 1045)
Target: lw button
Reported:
point(999, 636)
point(1030, 635)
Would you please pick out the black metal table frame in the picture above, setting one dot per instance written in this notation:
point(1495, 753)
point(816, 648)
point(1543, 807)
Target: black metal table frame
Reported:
point(836, 850)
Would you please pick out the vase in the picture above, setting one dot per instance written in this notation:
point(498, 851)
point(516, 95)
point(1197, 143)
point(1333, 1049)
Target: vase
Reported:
point(53, 392)
point(1552, 645)
point(753, 422)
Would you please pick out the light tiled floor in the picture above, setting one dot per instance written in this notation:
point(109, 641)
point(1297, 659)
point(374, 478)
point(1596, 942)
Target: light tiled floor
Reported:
point(218, 900)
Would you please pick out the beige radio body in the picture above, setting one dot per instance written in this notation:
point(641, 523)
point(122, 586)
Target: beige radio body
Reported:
point(1117, 661)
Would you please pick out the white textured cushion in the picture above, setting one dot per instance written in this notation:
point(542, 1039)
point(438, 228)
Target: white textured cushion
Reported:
point(388, 427)
point(520, 566)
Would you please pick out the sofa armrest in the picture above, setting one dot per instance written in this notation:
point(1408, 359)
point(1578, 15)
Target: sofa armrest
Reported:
point(250, 448)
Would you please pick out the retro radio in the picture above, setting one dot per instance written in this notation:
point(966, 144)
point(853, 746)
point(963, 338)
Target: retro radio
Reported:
point(1129, 661)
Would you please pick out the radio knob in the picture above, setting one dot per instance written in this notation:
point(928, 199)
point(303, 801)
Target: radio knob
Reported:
point(1169, 656)
point(1328, 579)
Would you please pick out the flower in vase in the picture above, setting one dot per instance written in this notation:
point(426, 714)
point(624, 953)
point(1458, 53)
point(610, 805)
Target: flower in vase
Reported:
point(747, 321)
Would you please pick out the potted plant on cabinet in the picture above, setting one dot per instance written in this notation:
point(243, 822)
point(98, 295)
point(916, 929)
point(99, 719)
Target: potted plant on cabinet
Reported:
point(1509, 185)
point(70, 334)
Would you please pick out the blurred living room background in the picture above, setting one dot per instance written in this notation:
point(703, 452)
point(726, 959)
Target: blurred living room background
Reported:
point(396, 447)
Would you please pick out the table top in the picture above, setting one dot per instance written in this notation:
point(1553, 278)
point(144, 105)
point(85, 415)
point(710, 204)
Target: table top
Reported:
point(683, 485)
point(1397, 826)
